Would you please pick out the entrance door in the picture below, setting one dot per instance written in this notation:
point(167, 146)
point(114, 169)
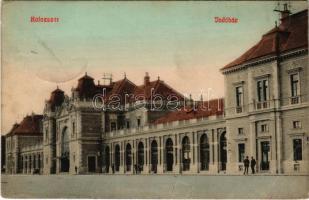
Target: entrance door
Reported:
point(223, 152)
point(204, 152)
point(107, 158)
point(265, 155)
point(140, 157)
point(117, 159)
point(169, 155)
point(91, 163)
point(186, 154)
point(128, 157)
point(65, 164)
point(154, 156)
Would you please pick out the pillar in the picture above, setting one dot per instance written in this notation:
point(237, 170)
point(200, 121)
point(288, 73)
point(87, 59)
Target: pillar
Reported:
point(160, 168)
point(194, 149)
point(214, 165)
point(253, 144)
point(121, 168)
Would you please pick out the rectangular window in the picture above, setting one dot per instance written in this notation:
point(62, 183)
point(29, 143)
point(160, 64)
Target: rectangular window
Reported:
point(294, 85)
point(128, 124)
point(73, 128)
point(262, 90)
point(264, 128)
point(297, 149)
point(239, 96)
point(295, 92)
point(138, 122)
point(241, 152)
point(240, 131)
point(296, 124)
point(113, 126)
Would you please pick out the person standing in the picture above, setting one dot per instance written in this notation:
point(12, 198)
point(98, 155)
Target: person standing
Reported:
point(246, 164)
point(253, 163)
point(75, 169)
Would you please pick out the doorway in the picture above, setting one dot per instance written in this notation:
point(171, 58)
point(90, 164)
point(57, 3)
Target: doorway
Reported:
point(91, 163)
point(169, 154)
point(154, 156)
point(223, 152)
point(265, 155)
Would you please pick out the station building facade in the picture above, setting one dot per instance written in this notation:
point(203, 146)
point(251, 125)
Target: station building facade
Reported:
point(123, 128)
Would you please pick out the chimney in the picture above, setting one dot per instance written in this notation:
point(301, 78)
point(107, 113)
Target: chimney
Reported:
point(146, 79)
point(285, 13)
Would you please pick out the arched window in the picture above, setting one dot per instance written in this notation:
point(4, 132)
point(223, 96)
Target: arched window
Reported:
point(65, 151)
point(128, 157)
point(65, 141)
point(204, 152)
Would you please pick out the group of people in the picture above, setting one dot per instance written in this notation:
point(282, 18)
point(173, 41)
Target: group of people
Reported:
point(248, 162)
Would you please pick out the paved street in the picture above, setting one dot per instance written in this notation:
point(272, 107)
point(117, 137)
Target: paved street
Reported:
point(153, 186)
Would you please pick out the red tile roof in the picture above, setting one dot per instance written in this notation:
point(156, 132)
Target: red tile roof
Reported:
point(30, 125)
point(205, 109)
point(87, 89)
point(121, 88)
point(157, 87)
point(292, 33)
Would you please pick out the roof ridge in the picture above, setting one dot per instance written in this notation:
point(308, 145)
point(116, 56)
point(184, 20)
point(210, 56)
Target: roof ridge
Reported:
point(296, 37)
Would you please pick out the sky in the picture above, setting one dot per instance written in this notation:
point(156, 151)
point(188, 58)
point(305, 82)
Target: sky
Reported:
point(178, 41)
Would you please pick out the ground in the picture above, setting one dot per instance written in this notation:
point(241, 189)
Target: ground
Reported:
point(154, 186)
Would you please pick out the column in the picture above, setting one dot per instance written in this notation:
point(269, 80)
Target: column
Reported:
point(216, 152)
point(37, 161)
point(16, 163)
point(121, 168)
point(160, 168)
point(111, 158)
point(25, 165)
point(279, 144)
point(146, 158)
point(195, 163)
point(176, 164)
point(253, 143)
point(276, 160)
